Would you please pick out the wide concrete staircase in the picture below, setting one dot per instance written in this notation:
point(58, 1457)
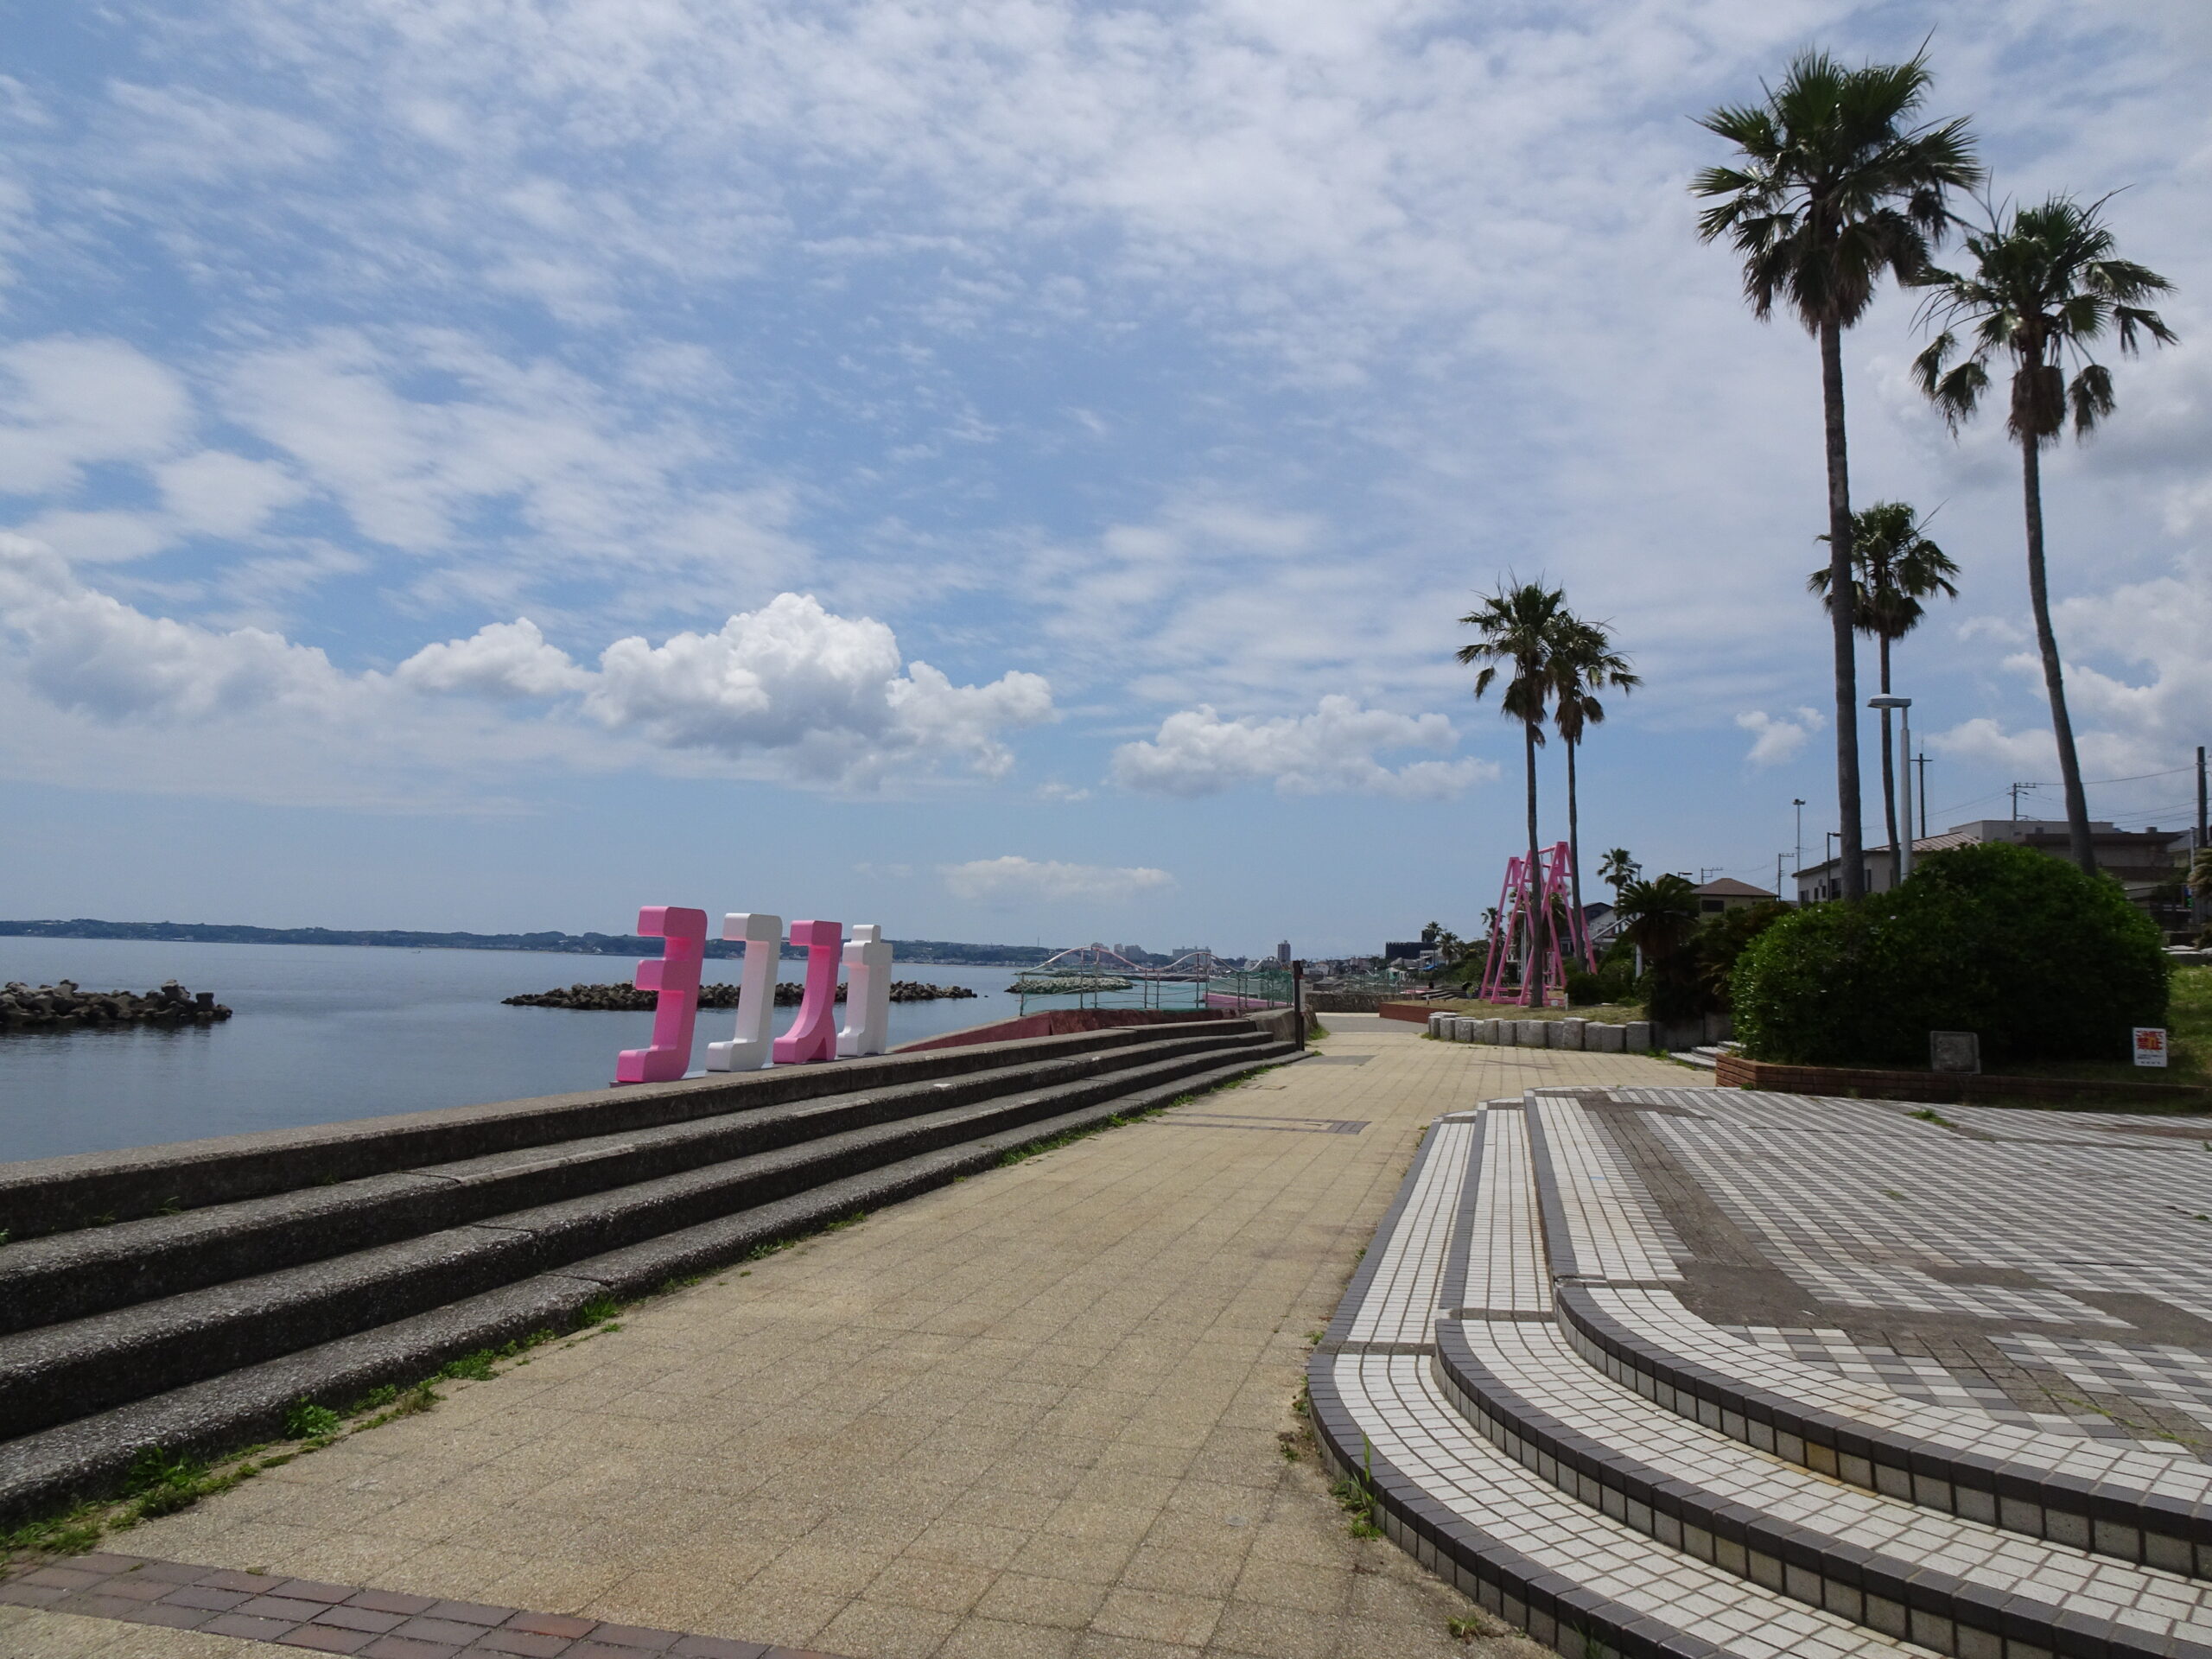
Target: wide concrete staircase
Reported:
point(185, 1296)
point(1514, 1390)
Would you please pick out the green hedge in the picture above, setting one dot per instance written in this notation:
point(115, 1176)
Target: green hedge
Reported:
point(2045, 963)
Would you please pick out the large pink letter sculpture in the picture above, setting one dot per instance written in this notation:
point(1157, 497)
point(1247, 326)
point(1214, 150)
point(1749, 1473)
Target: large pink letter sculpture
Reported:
point(747, 1050)
point(675, 976)
point(813, 1035)
point(867, 993)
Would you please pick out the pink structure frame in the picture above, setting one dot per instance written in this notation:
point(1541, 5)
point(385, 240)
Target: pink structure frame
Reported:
point(1521, 900)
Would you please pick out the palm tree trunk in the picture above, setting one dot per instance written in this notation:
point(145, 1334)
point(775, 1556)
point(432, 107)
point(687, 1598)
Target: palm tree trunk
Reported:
point(1532, 980)
point(1849, 849)
point(2062, 728)
point(1890, 775)
point(1574, 844)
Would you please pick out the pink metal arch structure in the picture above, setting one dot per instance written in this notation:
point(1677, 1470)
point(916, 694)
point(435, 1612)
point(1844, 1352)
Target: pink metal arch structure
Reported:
point(1525, 895)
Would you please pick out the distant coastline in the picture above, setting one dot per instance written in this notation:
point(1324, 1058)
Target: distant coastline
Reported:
point(945, 952)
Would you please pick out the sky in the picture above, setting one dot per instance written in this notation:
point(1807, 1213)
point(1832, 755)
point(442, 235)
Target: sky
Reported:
point(1003, 469)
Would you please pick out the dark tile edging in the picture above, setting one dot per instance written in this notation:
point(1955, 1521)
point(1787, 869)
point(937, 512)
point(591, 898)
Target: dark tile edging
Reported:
point(1895, 1597)
point(209, 1417)
point(342, 1619)
point(1551, 1212)
point(2125, 1522)
point(1451, 1284)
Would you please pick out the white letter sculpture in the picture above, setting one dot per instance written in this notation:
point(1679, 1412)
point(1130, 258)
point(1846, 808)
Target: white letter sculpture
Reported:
point(756, 994)
point(867, 993)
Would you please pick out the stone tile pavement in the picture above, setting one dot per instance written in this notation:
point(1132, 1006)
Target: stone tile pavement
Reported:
point(1037, 1413)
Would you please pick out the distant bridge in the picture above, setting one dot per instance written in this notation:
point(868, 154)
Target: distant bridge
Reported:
point(1103, 959)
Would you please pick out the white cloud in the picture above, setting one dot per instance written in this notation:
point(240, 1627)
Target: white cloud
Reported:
point(1008, 879)
point(74, 402)
point(1776, 740)
point(1066, 794)
point(826, 689)
point(791, 691)
point(500, 660)
point(1331, 751)
point(86, 650)
point(218, 494)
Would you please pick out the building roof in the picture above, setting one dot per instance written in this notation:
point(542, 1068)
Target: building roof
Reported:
point(1728, 887)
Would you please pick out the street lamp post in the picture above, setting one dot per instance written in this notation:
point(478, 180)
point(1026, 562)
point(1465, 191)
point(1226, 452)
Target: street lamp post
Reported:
point(1903, 849)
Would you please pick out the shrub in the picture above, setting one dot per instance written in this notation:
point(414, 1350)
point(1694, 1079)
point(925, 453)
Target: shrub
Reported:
point(1584, 987)
point(2045, 963)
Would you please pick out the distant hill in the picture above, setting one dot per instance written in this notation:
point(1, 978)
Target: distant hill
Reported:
point(944, 951)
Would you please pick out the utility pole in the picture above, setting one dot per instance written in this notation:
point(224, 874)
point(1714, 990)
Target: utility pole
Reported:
point(2017, 788)
point(2198, 905)
point(1778, 857)
point(1921, 760)
point(1798, 863)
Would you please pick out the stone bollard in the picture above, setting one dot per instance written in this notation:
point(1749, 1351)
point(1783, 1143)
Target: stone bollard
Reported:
point(1466, 1029)
point(1486, 1031)
point(1604, 1039)
point(1439, 1025)
point(1530, 1033)
point(1572, 1034)
point(1636, 1036)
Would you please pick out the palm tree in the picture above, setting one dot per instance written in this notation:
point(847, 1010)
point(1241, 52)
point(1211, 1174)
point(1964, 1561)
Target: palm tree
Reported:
point(1896, 569)
point(1583, 663)
point(1661, 914)
point(1835, 188)
point(2045, 283)
point(1520, 629)
point(1616, 869)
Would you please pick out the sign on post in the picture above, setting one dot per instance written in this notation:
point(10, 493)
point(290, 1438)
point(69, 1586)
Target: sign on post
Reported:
point(2150, 1045)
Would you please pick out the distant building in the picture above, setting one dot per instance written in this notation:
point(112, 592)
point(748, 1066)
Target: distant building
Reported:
point(1403, 950)
point(1728, 893)
point(2138, 859)
point(1282, 953)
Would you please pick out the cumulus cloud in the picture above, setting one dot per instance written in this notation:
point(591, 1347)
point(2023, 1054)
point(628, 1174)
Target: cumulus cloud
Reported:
point(500, 660)
point(1010, 879)
point(1775, 740)
point(87, 650)
point(829, 690)
point(1329, 751)
point(811, 695)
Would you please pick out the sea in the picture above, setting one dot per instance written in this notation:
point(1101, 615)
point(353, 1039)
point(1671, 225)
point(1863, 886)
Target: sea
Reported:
point(320, 1033)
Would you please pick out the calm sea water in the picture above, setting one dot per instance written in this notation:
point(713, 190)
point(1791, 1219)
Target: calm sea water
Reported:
point(323, 1032)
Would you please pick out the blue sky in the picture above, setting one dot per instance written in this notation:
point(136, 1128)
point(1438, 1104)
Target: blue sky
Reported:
point(1002, 470)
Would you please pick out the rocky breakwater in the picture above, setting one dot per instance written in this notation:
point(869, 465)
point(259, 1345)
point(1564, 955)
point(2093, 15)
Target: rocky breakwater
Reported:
point(628, 999)
point(47, 1008)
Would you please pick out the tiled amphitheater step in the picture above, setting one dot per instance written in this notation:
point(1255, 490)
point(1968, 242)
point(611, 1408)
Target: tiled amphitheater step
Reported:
point(1572, 1576)
point(84, 1457)
point(74, 1274)
point(1953, 1585)
point(56, 1372)
point(2114, 1498)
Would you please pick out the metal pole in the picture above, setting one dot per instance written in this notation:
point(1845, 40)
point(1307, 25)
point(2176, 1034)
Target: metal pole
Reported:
point(1921, 760)
point(1904, 747)
point(1298, 998)
point(1799, 862)
point(2204, 840)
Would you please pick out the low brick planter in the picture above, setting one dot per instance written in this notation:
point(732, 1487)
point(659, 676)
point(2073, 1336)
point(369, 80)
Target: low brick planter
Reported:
point(1734, 1072)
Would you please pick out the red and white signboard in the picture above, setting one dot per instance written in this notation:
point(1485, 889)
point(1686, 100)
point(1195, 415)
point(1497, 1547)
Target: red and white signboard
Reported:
point(2150, 1045)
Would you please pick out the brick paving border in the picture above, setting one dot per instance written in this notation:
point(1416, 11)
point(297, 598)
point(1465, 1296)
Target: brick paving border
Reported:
point(342, 1617)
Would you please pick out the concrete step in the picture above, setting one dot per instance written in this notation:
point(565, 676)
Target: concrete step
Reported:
point(56, 1372)
point(99, 1189)
point(75, 1274)
point(87, 1455)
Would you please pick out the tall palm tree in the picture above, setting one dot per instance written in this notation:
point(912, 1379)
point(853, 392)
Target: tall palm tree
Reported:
point(1835, 188)
point(1895, 570)
point(1616, 869)
point(1520, 628)
point(1583, 663)
point(2045, 283)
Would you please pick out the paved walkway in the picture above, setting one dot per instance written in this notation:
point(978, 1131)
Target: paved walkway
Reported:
point(1039, 1413)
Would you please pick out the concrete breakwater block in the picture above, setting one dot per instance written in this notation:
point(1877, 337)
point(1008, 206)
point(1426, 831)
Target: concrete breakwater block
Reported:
point(1605, 1039)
